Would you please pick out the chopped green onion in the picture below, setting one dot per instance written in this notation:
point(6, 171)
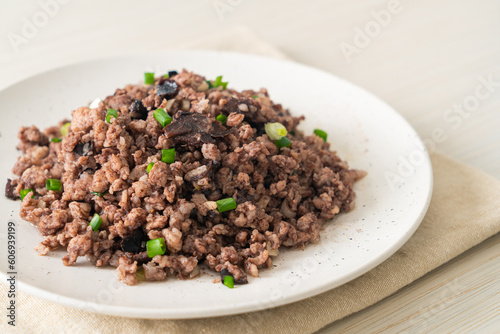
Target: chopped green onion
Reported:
point(99, 194)
point(320, 133)
point(53, 184)
point(221, 118)
point(140, 274)
point(111, 112)
point(218, 83)
point(162, 117)
point(168, 156)
point(150, 166)
point(255, 96)
point(226, 204)
point(209, 84)
point(149, 78)
point(56, 140)
point(25, 192)
point(65, 128)
point(275, 131)
point(156, 247)
point(229, 281)
point(166, 76)
point(96, 222)
point(283, 142)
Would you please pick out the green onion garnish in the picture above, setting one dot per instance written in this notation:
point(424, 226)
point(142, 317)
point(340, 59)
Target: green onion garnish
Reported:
point(111, 112)
point(221, 118)
point(149, 78)
point(255, 96)
point(53, 184)
point(166, 76)
point(168, 156)
point(156, 247)
point(99, 194)
point(229, 281)
point(320, 133)
point(275, 131)
point(56, 140)
point(226, 204)
point(25, 192)
point(283, 142)
point(150, 166)
point(162, 117)
point(209, 84)
point(218, 83)
point(96, 222)
point(65, 128)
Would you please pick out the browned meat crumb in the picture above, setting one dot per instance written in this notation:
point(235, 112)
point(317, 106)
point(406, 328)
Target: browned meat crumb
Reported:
point(283, 196)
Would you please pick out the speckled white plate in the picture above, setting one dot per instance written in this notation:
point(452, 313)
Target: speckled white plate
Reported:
point(392, 199)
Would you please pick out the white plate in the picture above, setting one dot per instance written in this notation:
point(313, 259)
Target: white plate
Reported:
point(369, 134)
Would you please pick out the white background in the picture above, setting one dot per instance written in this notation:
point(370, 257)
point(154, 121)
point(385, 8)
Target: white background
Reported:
point(428, 57)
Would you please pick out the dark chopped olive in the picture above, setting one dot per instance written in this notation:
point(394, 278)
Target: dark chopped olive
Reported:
point(138, 110)
point(136, 242)
point(194, 214)
point(243, 196)
point(251, 116)
point(194, 129)
point(268, 180)
point(141, 257)
point(224, 272)
point(211, 215)
point(84, 149)
point(214, 168)
point(167, 89)
point(10, 190)
point(172, 73)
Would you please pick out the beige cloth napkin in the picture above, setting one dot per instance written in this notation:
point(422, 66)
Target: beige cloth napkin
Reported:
point(464, 211)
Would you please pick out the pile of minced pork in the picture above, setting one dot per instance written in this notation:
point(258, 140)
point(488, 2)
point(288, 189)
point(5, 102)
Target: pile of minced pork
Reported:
point(163, 176)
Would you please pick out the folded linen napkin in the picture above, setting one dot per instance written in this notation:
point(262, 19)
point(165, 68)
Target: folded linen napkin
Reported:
point(463, 212)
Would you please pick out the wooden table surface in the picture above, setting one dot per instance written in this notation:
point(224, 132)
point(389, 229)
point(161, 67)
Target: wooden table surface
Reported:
point(436, 62)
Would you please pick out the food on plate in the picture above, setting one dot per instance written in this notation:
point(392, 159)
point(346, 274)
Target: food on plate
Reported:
point(178, 171)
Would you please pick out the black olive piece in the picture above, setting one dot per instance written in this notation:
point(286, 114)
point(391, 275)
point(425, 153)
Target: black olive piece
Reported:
point(10, 190)
point(223, 273)
point(167, 89)
point(194, 214)
point(136, 242)
point(194, 129)
point(211, 215)
point(172, 73)
point(138, 110)
point(84, 149)
point(267, 181)
point(243, 196)
point(141, 257)
point(251, 117)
